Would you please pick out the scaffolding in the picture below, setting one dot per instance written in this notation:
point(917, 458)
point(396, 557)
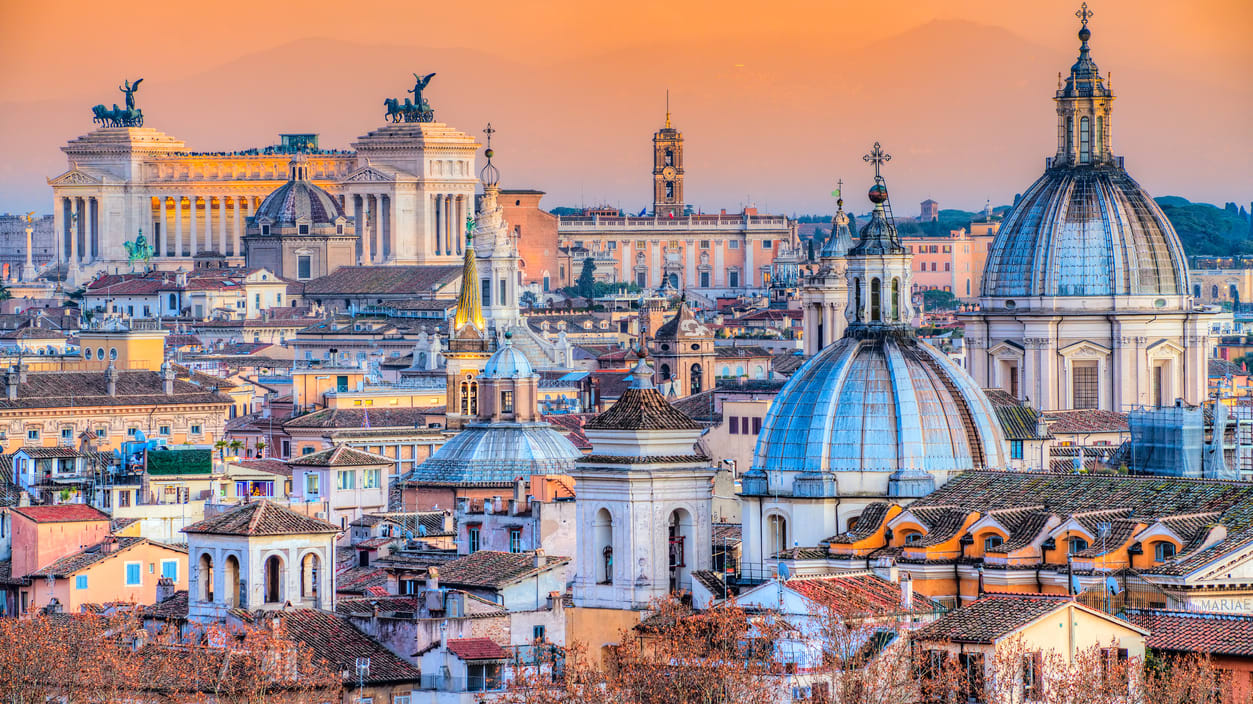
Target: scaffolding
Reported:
point(1167, 441)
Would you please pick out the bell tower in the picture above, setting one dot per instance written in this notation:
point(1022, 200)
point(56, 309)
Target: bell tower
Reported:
point(668, 169)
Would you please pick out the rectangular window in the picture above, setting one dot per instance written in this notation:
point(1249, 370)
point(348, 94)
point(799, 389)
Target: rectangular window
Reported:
point(80, 581)
point(134, 575)
point(286, 448)
point(370, 479)
point(537, 633)
point(733, 244)
point(32, 434)
point(734, 423)
point(756, 425)
point(163, 430)
point(341, 384)
point(401, 699)
point(102, 432)
point(486, 291)
point(767, 244)
point(948, 266)
point(169, 569)
point(733, 278)
point(506, 402)
point(130, 432)
point(1085, 386)
point(472, 532)
point(346, 479)
point(515, 540)
point(67, 433)
point(311, 485)
point(744, 425)
point(303, 266)
point(195, 430)
point(704, 244)
point(1015, 449)
point(1032, 684)
point(1163, 551)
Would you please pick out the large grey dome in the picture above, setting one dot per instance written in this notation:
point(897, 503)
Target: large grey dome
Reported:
point(1085, 231)
point(883, 403)
point(497, 453)
point(299, 202)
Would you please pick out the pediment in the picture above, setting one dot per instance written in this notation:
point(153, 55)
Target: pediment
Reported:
point(76, 177)
point(1007, 348)
point(1236, 565)
point(369, 174)
point(1164, 348)
point(1084, 348)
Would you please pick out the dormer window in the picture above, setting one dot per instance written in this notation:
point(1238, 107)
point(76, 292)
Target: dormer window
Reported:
point(303, 229)
point(339, 229)
point(265, 229)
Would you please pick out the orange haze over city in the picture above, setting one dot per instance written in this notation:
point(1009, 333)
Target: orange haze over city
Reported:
point(776, 100)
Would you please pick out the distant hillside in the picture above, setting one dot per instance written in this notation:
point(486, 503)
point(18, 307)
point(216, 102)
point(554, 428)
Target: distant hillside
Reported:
point(1207, 229)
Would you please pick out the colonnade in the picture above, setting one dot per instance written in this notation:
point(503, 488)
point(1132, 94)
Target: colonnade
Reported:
point(376, 237)
point(451, 211)
point(77, 223)
point(176, 224)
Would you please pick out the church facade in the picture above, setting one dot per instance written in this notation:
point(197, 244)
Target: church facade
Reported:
point(408, 187)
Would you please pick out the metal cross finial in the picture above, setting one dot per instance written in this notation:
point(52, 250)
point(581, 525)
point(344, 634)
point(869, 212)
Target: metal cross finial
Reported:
point(489, 131)
point(878, 157)
point(1083, 13)
point(839, 189)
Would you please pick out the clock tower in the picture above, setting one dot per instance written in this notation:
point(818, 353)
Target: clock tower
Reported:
point(668, 170)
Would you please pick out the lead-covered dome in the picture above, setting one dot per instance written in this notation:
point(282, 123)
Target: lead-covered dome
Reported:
point(299, 202)
point(497, 453)
point(885, 403)
point(1086, 231)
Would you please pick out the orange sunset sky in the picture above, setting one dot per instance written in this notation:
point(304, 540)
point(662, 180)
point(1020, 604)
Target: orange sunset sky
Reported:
point(776, 100)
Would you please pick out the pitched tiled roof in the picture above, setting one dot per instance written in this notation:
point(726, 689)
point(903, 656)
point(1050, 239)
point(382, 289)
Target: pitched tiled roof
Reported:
point(78, 389)
point(476, 649)
point(711, 581)
point(356, 580)
point(1120, 530)
point(269, 466)
point(642, 409)
point(1018, 421)
point(857, 593)
point(1188, 562)
point(870, 520)
point(47, 453)
point(1193, 632)
point(172, 608)
point(572, 425)
point(741, 351)
point(1219, 368)
point(727, 534)
point(334, 640)
point(88, 556)
point(366, 606)
point(260, 518)
point(801, 553)
point(785, 363)
point(355, 418)
point(989, 618)
point(1090, 420)
point(62, 513)
point(942, 523)
point(683, 326)
point(6, 575)
point(340, 456)
point(700, 406)
point(492, 569)
point(1024, 526)
point(398, 280)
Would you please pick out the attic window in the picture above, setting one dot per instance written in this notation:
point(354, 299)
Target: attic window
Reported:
point(339, 229)
point(304, 229)
point(265, 229)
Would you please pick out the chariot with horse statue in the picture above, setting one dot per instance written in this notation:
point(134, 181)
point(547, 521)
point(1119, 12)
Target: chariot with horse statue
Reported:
point(416, 109)
point(129, 116)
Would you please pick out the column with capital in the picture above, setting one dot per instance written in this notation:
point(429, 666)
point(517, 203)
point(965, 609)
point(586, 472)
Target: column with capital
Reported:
point(58, 226)
point(222, 224)
point(208, 224)
point(177, 249)
point(367, 243)
point(28, 271)
point(93, 229)
point(435, 224)
point(74, 227)
point(193, 205)
point(236, 249)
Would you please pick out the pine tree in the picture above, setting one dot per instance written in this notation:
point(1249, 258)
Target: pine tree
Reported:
point(586, 284)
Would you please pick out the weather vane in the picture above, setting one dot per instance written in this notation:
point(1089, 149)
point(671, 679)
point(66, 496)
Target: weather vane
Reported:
point(878, 157)
point(1083, 13)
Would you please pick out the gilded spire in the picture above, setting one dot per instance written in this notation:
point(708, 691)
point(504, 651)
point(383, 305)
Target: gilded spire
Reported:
point(667, 108)
point(469, 305)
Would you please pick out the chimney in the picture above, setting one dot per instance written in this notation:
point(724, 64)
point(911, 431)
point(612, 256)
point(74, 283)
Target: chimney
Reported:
point(519, 494)
point(432, 578)
point(165, 589)
point(540, 558)
point(110, 379)
point(907, 593)
point(22, 368)
point(10, 384)
point(167, 378)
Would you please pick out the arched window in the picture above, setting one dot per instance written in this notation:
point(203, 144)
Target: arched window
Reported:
point(231, 583)
point(602, 528)
point(309, 568)
point(695, 373)
point(1196, 291)
point(665, 372)
point(776, 534)
point(876, 315)
point(857, 299)
point(726, 368)
point(1085, 141)
point(1163, 551)
point(896, 299)
point(474, 398)
point(205, 577)
point(680, 536)
point(465, 398)
point(173, 302)
point(273, 579)
point(1214, 292)
point(1076, 545)
point(992, 541)
point(912, 538)
point(1099, 143)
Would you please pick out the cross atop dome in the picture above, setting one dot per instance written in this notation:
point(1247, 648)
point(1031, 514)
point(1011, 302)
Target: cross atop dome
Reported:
point(1083, 13)
point(878, 157)
point(490, 175)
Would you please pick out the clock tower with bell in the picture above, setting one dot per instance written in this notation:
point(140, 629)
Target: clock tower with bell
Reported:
point(668, 170)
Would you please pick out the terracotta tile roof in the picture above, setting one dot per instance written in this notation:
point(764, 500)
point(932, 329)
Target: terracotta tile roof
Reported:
point(477, 649)
point(859, 593)
point(493, 569)
point(418, 523)
point(572, 425)
point(1024, 525)
point(1120, 530)
point(90, 555)
point(1219, 368)
point(786, 363)
point(741, 352)
point(341, 456)
point(356, 580)
point(395, 280)
point(1089, 420)
point(1193, 632)
point(727, 534)
point(989, 618)
point(712, 581)
point(942, 523)
point(683, 326)
point(700, 406)
point(269, 466)
point(870, 520)
point(173, 608)
point(260, 518)
point(366, 606)
point(78, 389)
point(334, 640)
point(799, 553)
point(642, 409)
point(1188, 562)
point(48, 453)
point(1018, 421)
point(6, 575)
point(355, 418)
point(63, 513)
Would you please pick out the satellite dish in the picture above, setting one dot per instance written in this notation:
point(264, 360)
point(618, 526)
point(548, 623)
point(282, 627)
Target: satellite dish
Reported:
point(139, 436)
point(1112, 586)
point(784, 572)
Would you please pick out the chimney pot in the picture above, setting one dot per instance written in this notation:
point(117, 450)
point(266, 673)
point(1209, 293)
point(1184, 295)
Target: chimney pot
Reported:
point(540, 558)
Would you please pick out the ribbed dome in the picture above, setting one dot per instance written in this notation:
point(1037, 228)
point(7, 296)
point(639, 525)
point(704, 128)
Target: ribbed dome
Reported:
point(885, 403)
point(508, 363)
point(495, 453)
point(299, 201)
point(1085, 231)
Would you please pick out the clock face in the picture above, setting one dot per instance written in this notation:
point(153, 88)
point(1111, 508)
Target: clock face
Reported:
point(669, 173)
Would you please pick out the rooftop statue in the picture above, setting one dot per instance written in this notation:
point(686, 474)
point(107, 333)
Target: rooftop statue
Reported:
point(415, 110)
point(129, 116)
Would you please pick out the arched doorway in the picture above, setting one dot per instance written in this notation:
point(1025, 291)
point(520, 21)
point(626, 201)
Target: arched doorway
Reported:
point(680, 536)
point(273, 579)
point(776, 534)
point(674, 281)
point(205, 577)
point(233, 596)
point(309, 568)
